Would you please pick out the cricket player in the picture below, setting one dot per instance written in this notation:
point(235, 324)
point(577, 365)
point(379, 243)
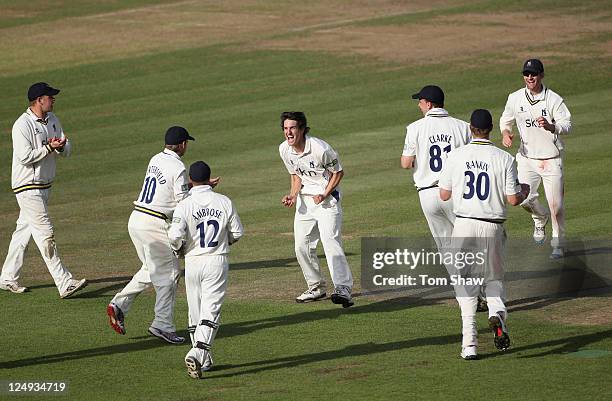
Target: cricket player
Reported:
point(541, 117)
point(428, 142)
point(165, 184)
point(38, 141)
point(479, 178)
point(315, 172)
point(203, 227)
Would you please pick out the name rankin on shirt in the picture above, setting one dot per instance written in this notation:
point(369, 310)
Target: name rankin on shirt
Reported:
point(477, 164)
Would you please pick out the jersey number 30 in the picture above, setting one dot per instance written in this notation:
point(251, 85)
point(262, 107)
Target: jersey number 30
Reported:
point(481, 187)
point(435, 157)
point(213, 242)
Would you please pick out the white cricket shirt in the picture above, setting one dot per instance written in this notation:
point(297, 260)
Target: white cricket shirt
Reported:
point(206, 221)
point(524, 109)
point(430, 139)
point(480, 176)
point(314, 166)
point(34, 161)
point(165, 184)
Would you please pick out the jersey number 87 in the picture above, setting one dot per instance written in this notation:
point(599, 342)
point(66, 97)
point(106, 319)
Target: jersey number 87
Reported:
point(435, 157)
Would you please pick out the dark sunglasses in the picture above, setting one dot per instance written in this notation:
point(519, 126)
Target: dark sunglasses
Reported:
point(530, 74)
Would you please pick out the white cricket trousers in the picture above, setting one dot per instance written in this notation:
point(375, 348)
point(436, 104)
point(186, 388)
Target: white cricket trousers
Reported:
point(206, 283)
point(439, 215)
point(471, 235)
point(320, 222)
point(160, 268)
point(550, 173)
point(34, 222)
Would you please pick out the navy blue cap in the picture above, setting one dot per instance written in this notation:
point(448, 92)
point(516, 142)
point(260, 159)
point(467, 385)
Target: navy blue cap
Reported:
point(41, 89)
point(432, 93)
point(176, 135)
point(199, 172)
point(533, 65)
point(482, 119)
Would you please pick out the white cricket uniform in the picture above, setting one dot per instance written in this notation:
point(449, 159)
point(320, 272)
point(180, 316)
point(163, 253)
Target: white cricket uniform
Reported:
point(165, 184)
point(317, 222)
point(33, 171)
point(540, 153)
point(206, 223)
point(480, 177)
point(430, 139)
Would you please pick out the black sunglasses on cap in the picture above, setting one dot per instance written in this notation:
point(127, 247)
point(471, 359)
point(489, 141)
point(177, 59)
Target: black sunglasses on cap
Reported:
point(530, 74)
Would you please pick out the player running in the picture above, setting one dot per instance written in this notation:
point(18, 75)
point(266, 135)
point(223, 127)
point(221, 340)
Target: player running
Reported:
point(479, 178)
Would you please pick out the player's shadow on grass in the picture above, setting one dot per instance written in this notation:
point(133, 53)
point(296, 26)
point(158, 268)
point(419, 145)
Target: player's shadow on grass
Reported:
point(286, 262)
point(389, 305)
point(88, 353)
point(569, 344)
point(559, 346)
point(362, 349)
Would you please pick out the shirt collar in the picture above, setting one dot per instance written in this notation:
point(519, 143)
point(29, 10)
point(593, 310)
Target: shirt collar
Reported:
point(171, 153)
point(306, 147)
point(481, 141)
point(34, 117)
point(539, 96)
point(437, 112)
point(201, 188)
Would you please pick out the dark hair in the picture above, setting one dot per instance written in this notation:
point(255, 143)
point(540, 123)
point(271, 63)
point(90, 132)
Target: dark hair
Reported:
point(298, 116)
point(480, 132)
point(439, 105)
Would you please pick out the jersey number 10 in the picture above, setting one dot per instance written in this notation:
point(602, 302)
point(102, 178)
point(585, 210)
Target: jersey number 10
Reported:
point(148, 190)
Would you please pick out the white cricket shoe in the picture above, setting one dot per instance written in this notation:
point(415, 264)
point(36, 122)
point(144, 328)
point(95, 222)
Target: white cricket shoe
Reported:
point(539, 231)
point(208, 362)
point(311, 295)
point(73, 286)
point(469, 353)
point(167, 336)
point(557, 253)
point(342, 296)
point(13, 287)
point(194, 368)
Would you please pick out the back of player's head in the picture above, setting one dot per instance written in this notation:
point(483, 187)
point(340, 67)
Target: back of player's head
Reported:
point(298, 116)
point(481, 122)
point(199, 172)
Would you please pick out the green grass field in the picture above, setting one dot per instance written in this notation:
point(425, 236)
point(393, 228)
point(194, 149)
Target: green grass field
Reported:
point(128, 70)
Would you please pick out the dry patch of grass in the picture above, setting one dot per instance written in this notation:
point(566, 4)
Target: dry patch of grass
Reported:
point(174, 26)
point(451, 37)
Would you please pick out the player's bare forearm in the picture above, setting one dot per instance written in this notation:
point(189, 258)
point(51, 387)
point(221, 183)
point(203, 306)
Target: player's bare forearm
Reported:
point(296, 186)
point(407, 162)
point(333, 182)
point(507, 137)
